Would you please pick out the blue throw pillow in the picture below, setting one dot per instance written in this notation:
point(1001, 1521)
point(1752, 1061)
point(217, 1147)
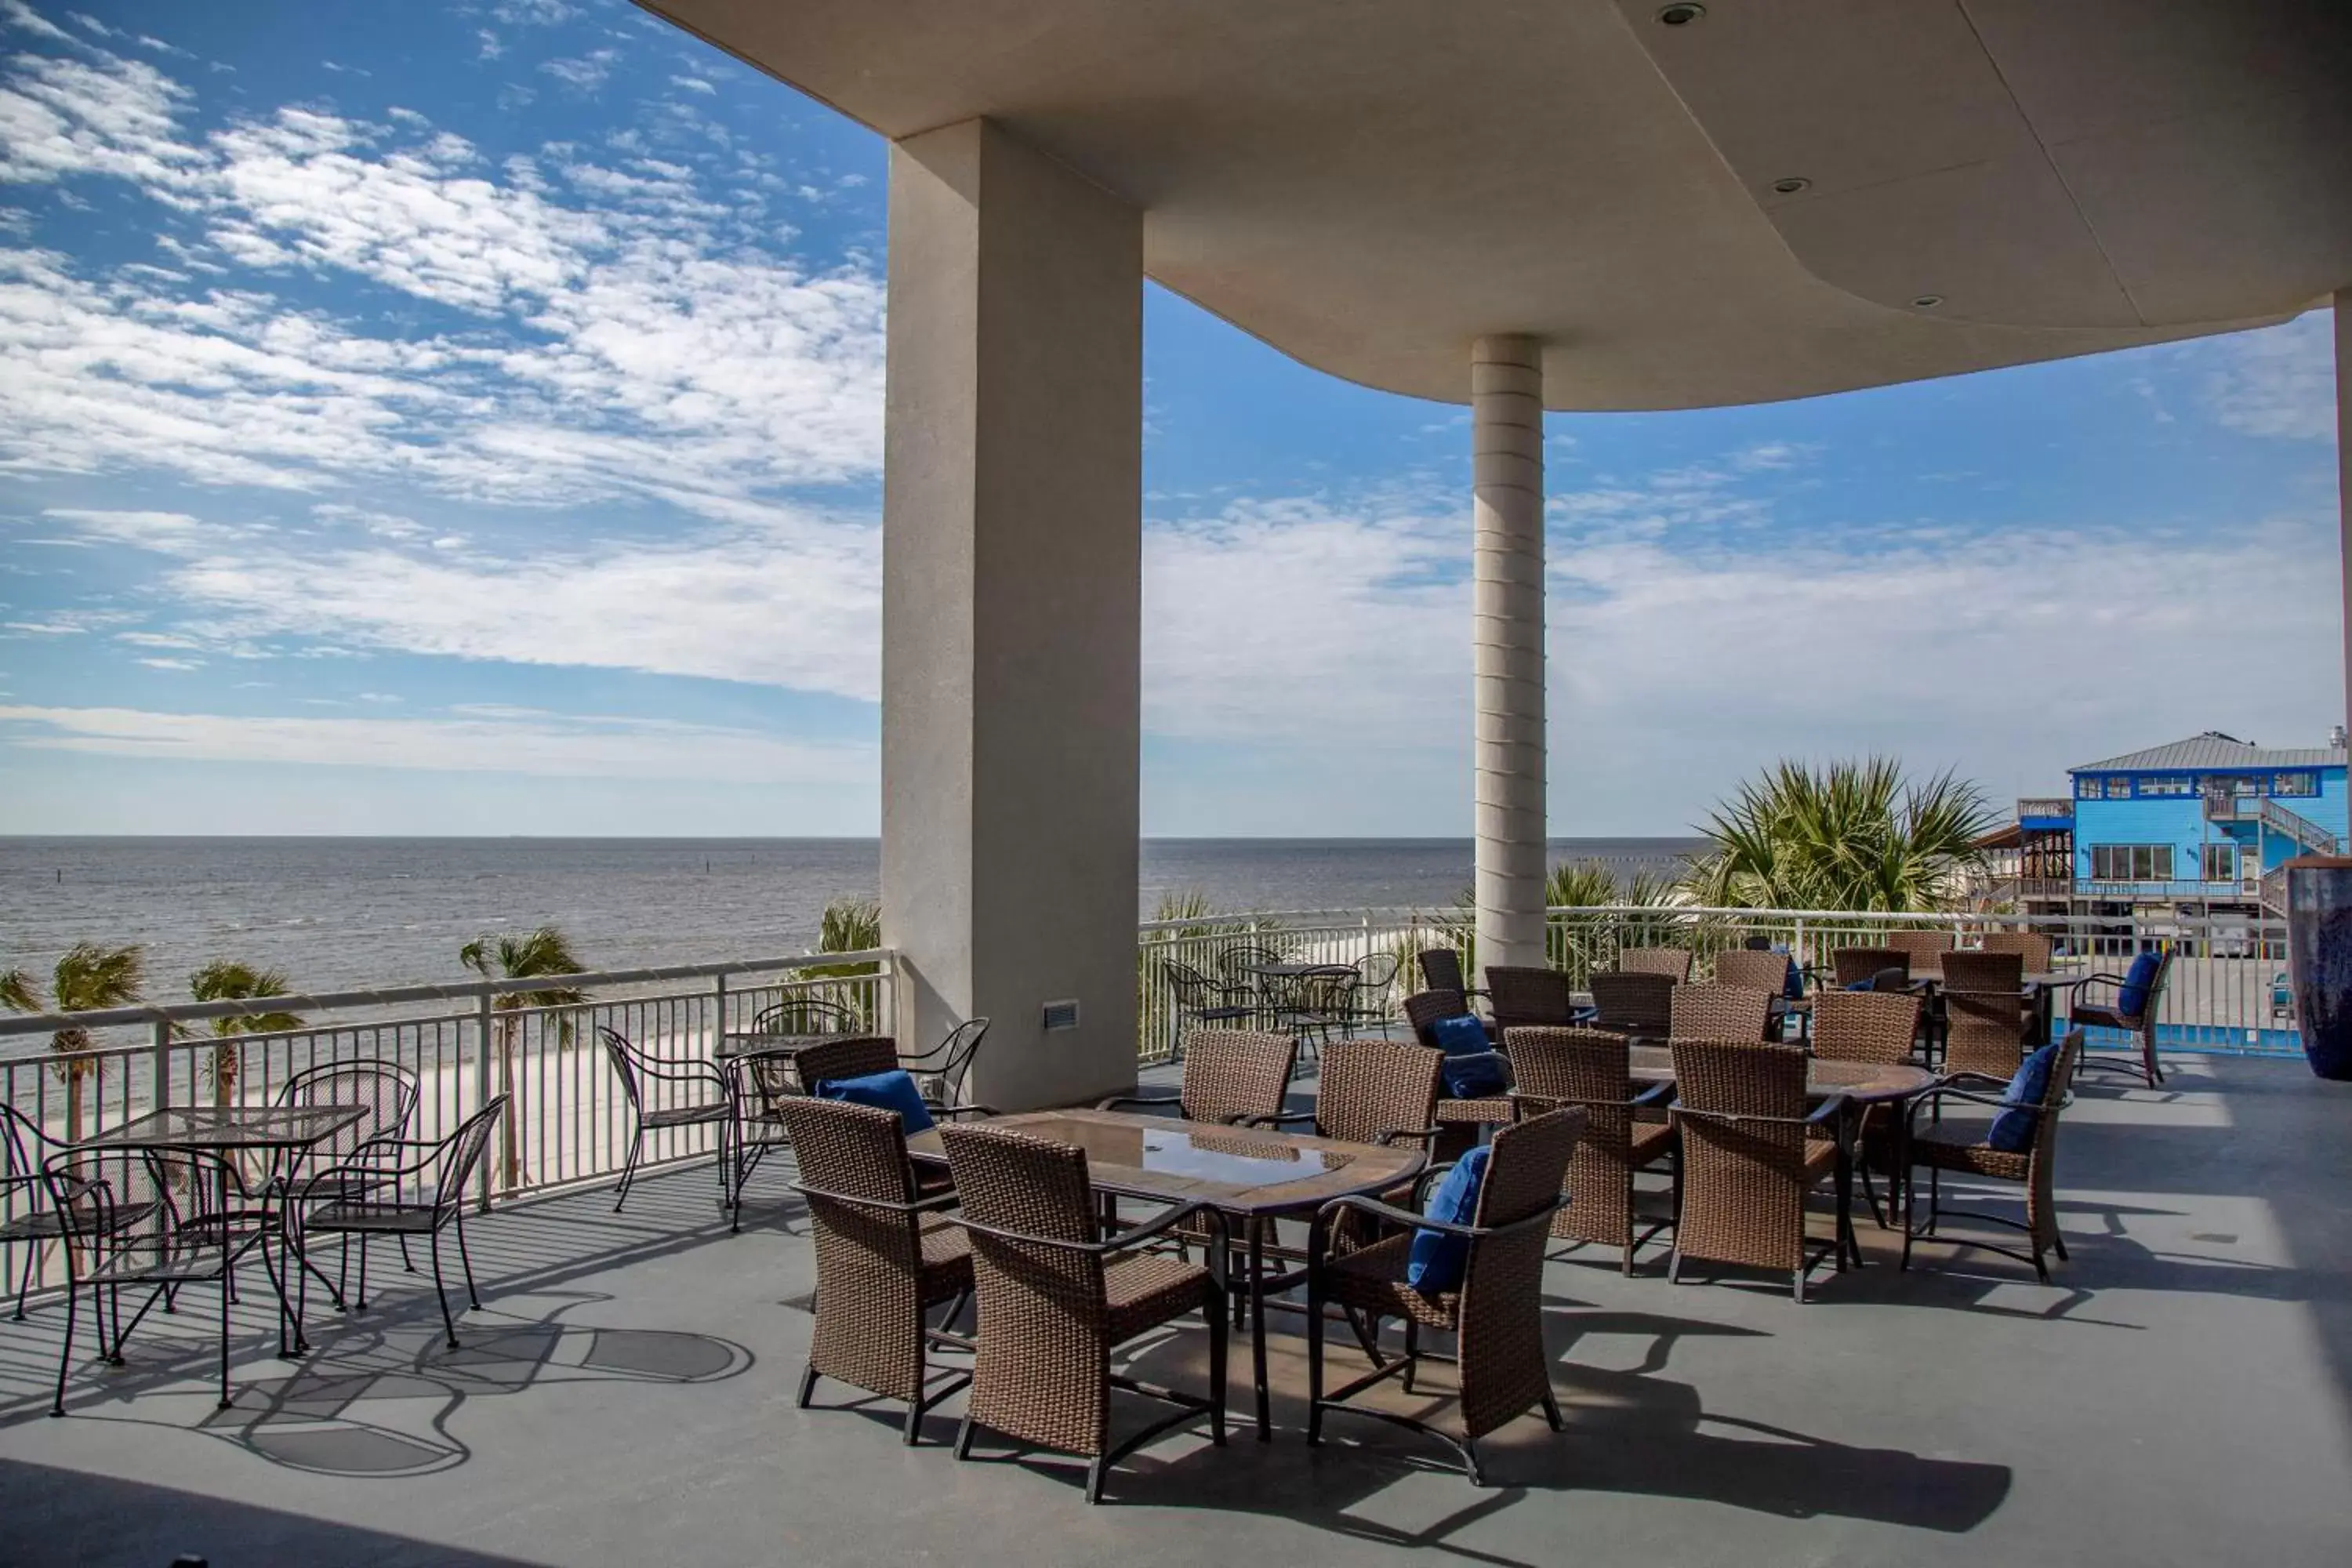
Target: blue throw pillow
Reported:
point(2012, 1130)
point(1471, 1071)
point(1861, 986)
point(883, 1091)
point(2131, 1000)
point(1794, 988)
point(1438, 1260)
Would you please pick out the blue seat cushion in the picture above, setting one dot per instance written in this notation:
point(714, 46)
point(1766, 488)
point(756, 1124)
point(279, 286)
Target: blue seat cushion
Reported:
point(2012, 1130)
point(2131, 998)
point(1863, 985)
point(1472, 1069)
point(1438, 1260)
point(1794, 988)
point(893, 1090)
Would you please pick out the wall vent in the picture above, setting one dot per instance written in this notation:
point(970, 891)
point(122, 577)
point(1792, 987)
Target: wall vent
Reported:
point(1062, 1015)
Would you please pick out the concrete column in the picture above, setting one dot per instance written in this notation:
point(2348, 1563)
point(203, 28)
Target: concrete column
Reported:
point(1012, 556)
point(2344, 475)
point(1508, 607)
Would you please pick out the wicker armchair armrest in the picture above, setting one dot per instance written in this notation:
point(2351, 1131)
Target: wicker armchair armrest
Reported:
point(1422, 1136)
point(1115, 1100)
point(1822, 1115)
point(1277, 1119)
point(1524, 1104)
point(1134, 1236)
point(1945, 1092)
point(937, 1201)
point(1408, 1220)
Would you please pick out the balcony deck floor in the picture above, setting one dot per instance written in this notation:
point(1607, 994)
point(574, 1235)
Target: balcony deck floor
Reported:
point(2179, 1394)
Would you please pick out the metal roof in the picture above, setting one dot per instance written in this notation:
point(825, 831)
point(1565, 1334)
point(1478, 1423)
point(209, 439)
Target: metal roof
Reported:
point(2214, 750)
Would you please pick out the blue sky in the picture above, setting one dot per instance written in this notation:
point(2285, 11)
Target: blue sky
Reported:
point(467, 418)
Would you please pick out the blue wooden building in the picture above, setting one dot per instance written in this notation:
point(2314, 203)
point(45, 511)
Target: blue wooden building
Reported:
point(2203, 825)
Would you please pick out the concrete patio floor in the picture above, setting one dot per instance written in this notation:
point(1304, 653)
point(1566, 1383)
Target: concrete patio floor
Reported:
point(625, 1396)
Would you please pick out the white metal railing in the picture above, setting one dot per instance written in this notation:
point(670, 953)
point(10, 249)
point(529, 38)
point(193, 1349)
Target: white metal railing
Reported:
point(566, 1119)
point(2226, 991)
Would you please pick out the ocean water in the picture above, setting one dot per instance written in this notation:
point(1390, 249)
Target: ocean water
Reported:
point(338, 913)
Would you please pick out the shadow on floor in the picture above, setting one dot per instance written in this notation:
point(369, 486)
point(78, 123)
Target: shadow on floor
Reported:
point(71, 1518)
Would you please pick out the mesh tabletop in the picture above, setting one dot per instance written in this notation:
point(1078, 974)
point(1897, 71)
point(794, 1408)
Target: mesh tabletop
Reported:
point(1824, 1076)
point(1241, 1170)
point(742, 1043)
point(229, 1127)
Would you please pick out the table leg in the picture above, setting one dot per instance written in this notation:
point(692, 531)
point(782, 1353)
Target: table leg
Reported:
point(1257, 1289)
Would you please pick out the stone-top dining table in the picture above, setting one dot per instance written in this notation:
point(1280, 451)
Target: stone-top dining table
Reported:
point(1249, 1174)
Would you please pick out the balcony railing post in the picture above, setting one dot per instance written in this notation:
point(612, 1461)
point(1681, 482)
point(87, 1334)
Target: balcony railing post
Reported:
point(485, 1021)
point(162, 1038)
point(717, 1014)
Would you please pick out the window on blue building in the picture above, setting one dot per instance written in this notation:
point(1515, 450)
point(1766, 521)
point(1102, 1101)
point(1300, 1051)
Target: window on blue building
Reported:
point(2302, 785)
point(2131, 862)
point(2160, 785)
point(2221, 862)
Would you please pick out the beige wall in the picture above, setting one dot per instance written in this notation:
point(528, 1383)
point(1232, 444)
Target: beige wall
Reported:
point(1012, 606)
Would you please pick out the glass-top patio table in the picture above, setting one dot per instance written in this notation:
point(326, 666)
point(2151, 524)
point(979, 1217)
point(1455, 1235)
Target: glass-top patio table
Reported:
point(1251, 1176)
point(280, 1130)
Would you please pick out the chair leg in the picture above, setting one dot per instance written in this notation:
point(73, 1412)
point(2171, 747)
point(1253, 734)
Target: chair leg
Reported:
point(1094, 1479)
point(448, 1323)
point(362, 1298)
point(1470, 1462)
point(406, 1262)
point(1412, 1352)
point(964, 1437)
point(629, 1167)
point(912, 1433)
point(65, 1354)
point(808, 1385)
point(226, 1400)
point(465, 1257)
point(32, 1250)
point(1314, 1365)
point(1217, 1340)
point(1551, 1407)
point(1674, 1265)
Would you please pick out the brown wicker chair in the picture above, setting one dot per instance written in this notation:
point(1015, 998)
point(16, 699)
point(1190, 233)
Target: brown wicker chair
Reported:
point(1673, 962)
point(1747, 1165)
point(1055, 1302)
point(764, 1080)
point(1441, 970)
point(2110, 1015)
point(1718, 1012)
point(1423, 1008)
point(1496, 1314)
point(1373, 1092)
point(1527, 996)
point(1586, 1069)
point(1866, 1026)
point(1640, 1005)
point(884, 1257)
point(1960, 1148)
point(1877, 1027)
point(1985, 1013)
point(1853, 965)
point(2038, 951)
point(1764, 969)
point(1230, 1075)
point(1925, 949)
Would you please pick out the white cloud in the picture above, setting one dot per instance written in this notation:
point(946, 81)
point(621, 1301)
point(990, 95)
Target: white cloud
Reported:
point(534, 12)
point(16, 14)
point(585, 72)
point(635, 340)
point(695, 83)
point(2279, 382)
point(627, 748)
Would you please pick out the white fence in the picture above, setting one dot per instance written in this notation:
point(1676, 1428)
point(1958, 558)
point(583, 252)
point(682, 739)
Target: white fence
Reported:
point(2226, 992)
point(566, 1119)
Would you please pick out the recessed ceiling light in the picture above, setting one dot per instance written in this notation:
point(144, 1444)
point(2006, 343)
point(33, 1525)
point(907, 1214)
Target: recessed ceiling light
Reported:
point(1681, 16)
point(1792, 184)
point(1927, 302)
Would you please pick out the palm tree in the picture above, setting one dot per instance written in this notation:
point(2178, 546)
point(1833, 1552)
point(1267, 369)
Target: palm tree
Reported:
point(226, 980)
point(86, 978)
point(1569, 940)
point(1855, 835)
point(532, 957)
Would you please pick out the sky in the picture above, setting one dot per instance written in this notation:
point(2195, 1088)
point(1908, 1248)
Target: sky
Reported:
point(464, 416)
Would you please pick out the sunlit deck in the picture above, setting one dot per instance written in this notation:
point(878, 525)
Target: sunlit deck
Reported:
point(625, 1397)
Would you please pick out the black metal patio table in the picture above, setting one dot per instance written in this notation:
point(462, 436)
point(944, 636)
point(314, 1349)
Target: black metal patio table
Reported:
point(280, 1131)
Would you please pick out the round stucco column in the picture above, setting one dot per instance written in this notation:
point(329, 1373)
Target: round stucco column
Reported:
point(1507, 621)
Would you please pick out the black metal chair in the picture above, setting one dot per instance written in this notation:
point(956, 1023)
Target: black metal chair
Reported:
point(804, 1015)
point(637, 1070)
point(943, 1070)
point(121, 1224)
point(390, 1093)
point(1240, 964)
point(26, 1218)
point(1202, 1003)
point(419, 1188)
